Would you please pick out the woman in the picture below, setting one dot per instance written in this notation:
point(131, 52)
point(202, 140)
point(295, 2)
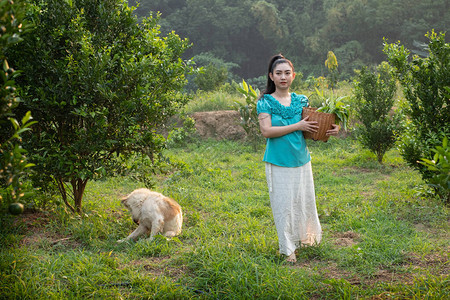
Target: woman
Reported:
point(288, 162)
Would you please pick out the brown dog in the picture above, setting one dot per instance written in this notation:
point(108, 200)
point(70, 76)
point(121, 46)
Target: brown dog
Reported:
point(154, 213)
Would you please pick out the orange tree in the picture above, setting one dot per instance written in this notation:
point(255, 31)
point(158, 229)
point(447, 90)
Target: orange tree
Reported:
point(374, 92)
point(100, 84)
point(426, 85)
point(13, 160)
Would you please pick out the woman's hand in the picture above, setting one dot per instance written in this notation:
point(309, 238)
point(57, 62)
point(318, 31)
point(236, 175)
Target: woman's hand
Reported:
point(308, 126)
point(269, 131)
point(334, 130)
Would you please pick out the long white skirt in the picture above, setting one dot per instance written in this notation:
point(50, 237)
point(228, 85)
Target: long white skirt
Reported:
point(293, 203)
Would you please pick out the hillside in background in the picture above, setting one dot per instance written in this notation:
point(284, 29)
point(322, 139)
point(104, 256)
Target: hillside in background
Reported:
point(246, 33)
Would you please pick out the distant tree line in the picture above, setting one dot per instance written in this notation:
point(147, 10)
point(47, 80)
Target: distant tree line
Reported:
point(247, 32)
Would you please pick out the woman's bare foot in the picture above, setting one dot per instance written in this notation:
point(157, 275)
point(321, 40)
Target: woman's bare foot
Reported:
point(291, 258)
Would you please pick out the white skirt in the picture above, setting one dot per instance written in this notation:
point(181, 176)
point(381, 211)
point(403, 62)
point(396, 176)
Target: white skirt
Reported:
point(293, 203)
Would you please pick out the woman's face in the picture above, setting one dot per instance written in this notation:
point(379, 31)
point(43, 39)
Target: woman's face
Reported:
point(282, 76)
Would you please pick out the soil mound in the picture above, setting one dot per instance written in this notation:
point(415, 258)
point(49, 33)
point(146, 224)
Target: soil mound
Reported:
point(221, 125)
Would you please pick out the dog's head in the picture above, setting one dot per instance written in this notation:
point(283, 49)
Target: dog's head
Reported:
point(124, 202)
point(134, 210)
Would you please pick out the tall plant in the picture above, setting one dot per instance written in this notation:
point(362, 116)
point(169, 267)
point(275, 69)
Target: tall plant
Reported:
point(374, 94)
point(102, 85)
point(425, 81)
point(248, 114)
point(332, 64)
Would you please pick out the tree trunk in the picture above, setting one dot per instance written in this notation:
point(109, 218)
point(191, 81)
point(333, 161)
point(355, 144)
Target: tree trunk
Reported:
point(380, 157)
point(63, 192)
point(78, 186)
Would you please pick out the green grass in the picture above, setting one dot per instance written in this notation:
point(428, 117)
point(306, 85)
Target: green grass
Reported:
point(382, 237)
point(212, 101)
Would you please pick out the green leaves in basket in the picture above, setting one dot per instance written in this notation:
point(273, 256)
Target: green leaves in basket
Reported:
point(338, 107)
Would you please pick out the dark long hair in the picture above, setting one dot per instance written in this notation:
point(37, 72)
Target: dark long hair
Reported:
point(274, 61)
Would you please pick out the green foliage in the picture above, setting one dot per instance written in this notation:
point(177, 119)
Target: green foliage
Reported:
point(102, 86)
point(247, 111)
point(213, 72)
point(425, 82)
point(261, 81)
point(8, 94)
point(352, 56)
point(13, 160)
point(211, 77)
point(335, 105)
point(179, 136)
point(312, 82)
point(440, 168)
point(374, 98)
point(269, 23)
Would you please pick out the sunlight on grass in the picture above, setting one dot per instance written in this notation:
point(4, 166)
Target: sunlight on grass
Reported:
point(374, 221)
point(212, 101)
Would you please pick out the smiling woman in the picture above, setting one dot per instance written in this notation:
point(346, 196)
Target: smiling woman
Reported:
point(288, 162)
point(282, 76)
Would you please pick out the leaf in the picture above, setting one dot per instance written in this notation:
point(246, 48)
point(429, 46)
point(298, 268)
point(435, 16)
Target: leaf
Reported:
point(253, 92)
point(436, 157)
point(5, 65)
point(15, 123)
point(27, 117)
point(244, 86)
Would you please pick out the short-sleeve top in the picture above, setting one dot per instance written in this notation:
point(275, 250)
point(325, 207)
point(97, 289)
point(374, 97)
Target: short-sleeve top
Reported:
point(289, 150)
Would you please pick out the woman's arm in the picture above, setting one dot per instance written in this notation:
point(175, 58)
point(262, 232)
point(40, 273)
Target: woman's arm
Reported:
point(269, 131)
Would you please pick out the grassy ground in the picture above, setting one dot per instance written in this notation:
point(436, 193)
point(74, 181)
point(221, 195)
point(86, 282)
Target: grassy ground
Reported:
point(382, 238)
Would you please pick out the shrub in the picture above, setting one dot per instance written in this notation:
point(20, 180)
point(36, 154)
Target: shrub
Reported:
point(374, 94)
point(425, 81)
point(102, 86)
point(440, 168)
point(211, 77)
point(212, 74)
point(249, 116)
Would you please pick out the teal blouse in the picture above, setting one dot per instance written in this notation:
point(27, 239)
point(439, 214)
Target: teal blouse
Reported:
point(289, 150)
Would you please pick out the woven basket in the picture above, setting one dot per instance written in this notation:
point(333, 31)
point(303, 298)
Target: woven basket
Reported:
point(325, 121)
